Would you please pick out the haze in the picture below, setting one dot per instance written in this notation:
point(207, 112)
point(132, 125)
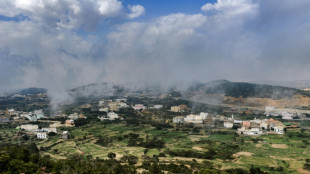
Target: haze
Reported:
point(64, 44)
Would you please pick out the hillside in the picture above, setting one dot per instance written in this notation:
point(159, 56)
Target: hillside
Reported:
point(33, 91)
point(247, 94)
point(246, 90)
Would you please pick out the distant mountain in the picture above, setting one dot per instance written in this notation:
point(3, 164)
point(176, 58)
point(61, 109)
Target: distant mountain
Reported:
point(299, 84)
point(245, 90)
point(33, 91)
point(96, 90)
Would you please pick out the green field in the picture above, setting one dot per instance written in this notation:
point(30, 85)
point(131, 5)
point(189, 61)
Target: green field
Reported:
point(273, 153)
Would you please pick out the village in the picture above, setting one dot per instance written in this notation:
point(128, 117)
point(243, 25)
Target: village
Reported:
point(147, 125)
point(107, 110)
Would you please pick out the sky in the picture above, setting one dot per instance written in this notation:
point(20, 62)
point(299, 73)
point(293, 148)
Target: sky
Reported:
point(61, 44)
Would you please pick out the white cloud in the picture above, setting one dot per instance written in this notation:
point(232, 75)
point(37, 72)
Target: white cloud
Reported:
point(238, 40)
point(109, 7)
point(71, 14)
point(232, 8)
point(136, 11)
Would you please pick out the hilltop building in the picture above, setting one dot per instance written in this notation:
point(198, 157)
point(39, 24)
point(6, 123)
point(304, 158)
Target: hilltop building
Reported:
point(178, 119)
point(138, 107)
point(41, 135)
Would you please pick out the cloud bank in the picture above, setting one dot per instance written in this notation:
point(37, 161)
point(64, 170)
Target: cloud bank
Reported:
point(64, 44)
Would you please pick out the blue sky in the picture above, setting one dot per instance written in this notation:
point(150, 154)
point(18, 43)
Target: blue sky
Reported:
point(155, 8)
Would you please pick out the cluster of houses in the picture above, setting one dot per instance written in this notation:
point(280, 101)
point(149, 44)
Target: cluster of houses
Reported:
point(258, 127)
point(199, 118)
point(11, 115)
point(110, 116)
point(286, 114)
point(42, 133)
point(250, 127)
point(106, 105)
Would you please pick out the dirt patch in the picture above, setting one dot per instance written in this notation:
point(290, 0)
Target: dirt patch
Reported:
point(243, 154)
point(197, 148)
point(303, 171)
point(196, 138)
point(55, 156)
point(279, 146)
point(258, 145)
point(179, 158)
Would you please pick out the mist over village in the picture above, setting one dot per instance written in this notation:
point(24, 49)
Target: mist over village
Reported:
point(154, 86)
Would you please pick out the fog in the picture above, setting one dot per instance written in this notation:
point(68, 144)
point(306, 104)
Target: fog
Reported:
point(61, 45)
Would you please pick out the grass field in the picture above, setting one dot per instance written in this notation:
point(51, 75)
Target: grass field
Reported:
point(273, 153)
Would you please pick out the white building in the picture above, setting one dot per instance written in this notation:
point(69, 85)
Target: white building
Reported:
point(278, 129)
point(252, 131)
point(287, 116)
point(101, 102)
point(203, 115)
point(50, 129)
point(112, 115)
point(29, 127)
point(73, 116)
point(119, 100)
point(122, 105)
point(179, 119)
point(138, 107)
point(104, 109)
point(196, 119)
point(158, 106)
point(40, 111)
point(41, 135)
point(238, 121)
point(228, 124)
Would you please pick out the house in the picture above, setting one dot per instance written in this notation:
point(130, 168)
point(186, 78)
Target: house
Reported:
point(30, 116)
point(101, 102)
point(113, 106)
point(183, 108)
point(104, 109)
point(122, 105)
point(73, 116)
point(110, 116)
point(175, 109)
point(158, 106)
point(238, 121)
point(138, 107)
point(246, 131)
point(82, 116)
point(41, 135)
point(179, 119)
point(119, 100)
point(287, 116)
point(55, 124)
point(196, 119)
point(65, 135)
point(29, 127)
point(228, 124)
point(203, 115)
point(50, 129)
point(246, 124)
point(69, 122)
point(5, 119)
point(39, 113)
point(278, 129)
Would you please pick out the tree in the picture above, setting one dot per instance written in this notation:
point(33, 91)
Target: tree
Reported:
point(111, 155)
